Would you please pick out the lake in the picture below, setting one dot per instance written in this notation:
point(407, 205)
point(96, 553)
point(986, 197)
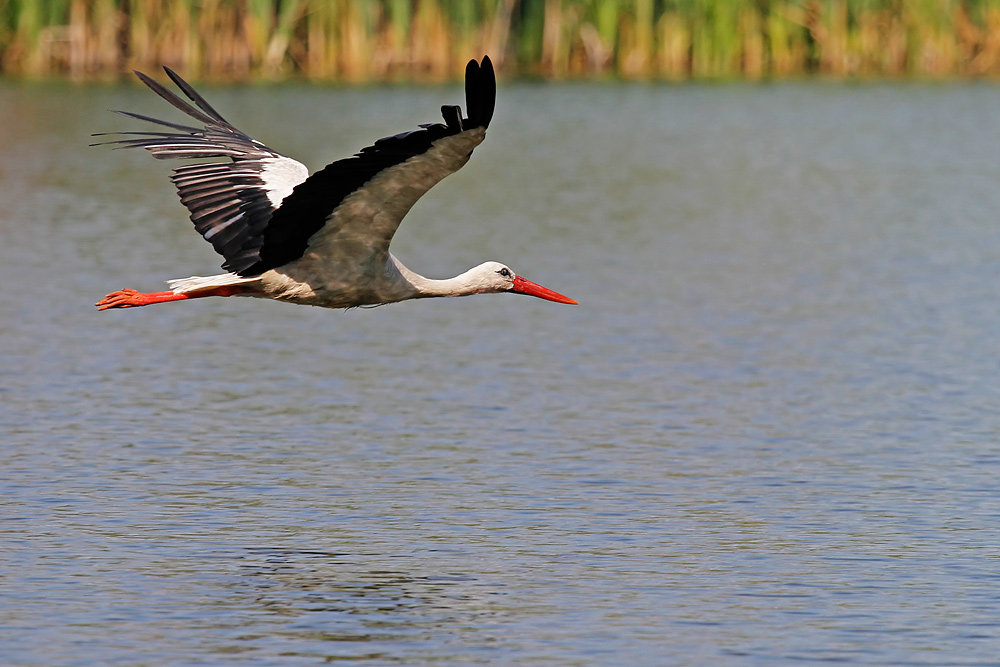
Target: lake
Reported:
point(769, 433)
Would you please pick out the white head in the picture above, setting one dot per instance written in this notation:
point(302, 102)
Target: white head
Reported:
point(491, 277)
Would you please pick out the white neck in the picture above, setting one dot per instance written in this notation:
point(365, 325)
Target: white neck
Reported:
point(460, 285)
point(463, 284)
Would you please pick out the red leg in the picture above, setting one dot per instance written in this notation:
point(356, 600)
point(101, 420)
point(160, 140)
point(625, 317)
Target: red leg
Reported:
point(130, 298)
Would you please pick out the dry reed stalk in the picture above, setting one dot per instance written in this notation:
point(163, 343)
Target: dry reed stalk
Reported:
point(674, 47)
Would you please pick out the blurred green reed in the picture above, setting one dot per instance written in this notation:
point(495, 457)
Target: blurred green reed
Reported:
point(360, 40)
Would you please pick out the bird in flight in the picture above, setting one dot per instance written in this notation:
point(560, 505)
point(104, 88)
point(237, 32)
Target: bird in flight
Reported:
point(320, 240)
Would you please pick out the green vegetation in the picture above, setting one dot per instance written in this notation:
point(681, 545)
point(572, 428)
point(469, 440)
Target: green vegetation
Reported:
point(430, 39)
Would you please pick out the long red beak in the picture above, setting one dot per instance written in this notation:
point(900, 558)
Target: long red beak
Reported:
point(522, 286)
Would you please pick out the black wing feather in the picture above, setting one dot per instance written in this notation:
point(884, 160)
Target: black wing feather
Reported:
point(174, 100)
point(195, 97)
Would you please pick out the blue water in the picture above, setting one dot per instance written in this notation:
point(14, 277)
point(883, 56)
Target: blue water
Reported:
point(769, 433)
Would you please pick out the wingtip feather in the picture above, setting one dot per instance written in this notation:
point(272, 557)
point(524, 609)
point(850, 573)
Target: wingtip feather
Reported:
point(489, 89)
point(471, 98)
point(145, 78)
point(480, 91)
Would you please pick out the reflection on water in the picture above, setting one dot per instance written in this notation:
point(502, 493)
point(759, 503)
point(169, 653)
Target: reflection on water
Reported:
point(343, 608)
point(767, 435)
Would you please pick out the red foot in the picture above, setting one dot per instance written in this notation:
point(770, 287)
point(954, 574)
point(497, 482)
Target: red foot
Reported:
point(130, 298)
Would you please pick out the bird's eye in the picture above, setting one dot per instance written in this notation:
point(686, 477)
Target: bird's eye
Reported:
point(504, 272)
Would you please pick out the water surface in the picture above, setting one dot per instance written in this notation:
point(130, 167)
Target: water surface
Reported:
point(769, 433)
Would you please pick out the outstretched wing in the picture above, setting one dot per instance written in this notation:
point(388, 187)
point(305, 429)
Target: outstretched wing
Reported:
point(230, 202)
point(354, 206)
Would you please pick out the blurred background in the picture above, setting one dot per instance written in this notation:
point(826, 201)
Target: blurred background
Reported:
point(362, 40)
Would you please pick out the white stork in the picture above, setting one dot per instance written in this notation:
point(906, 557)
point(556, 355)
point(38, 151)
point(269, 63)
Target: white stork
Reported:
point(321, 240)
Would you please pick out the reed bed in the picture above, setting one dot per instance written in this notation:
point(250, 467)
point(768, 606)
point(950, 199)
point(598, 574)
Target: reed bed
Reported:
point(361, 40)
